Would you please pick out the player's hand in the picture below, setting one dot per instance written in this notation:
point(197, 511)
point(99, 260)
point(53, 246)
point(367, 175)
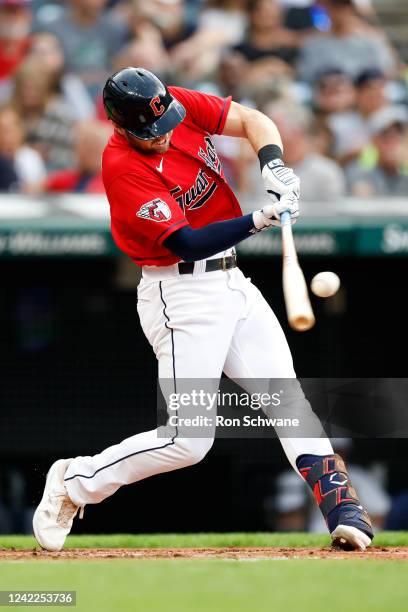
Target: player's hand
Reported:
point(279, 179)
point(270, 214)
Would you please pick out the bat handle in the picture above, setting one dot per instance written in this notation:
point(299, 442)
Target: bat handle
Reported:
point(288, 244)
point(285, 218)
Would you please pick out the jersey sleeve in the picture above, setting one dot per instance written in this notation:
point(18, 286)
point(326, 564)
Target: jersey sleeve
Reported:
point(207, 111)
point(142, 206)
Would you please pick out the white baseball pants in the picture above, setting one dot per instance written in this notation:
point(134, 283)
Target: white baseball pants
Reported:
point(199, 325)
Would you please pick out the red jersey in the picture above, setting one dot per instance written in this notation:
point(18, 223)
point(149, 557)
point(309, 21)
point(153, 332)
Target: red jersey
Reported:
point(152, 196)
point(10, 62)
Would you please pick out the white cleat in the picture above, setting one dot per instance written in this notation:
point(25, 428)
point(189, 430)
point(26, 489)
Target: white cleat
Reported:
point(349, 538)
point(52, 521)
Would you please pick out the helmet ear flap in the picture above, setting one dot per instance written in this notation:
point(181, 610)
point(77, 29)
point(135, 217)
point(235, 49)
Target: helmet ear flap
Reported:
point(112, 101)
point(113, 112)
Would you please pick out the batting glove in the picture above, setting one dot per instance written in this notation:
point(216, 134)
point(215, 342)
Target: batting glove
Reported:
point(279, 180)
point(270, 214)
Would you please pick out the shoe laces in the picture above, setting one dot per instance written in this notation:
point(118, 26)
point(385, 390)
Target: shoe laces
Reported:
point(68, 511)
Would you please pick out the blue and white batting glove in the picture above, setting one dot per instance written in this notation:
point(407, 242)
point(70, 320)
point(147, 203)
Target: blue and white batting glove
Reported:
point(279, 180)
point(270, 214)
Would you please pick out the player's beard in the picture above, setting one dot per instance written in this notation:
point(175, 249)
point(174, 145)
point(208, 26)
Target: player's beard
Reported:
point(156, 146)
point(161, 148)
point(161, 145)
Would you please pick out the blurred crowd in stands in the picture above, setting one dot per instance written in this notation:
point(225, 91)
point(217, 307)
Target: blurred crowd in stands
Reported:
point(324, 71)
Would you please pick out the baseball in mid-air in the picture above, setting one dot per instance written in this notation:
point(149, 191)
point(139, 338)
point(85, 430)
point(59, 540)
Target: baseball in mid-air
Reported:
point(325, 284)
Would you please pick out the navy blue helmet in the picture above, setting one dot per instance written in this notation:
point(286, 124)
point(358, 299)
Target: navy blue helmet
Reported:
point(138, 101)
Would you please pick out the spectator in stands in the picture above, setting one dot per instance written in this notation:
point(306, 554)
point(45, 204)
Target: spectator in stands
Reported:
point(21, 164)
point(90, 140)
point(231, 77)
point(48, 120)
point(46, 49)
point(269, 46)
point(333, 93)
point(90, 37)
point(321, 178)
point(15, 23)
point(385, 173)
point(351, 130)
point(352, 45)
point(322, 137)
point(221, 24)
point(146, 51)
point(234, 78)
point(170, 18)
point(159, 30)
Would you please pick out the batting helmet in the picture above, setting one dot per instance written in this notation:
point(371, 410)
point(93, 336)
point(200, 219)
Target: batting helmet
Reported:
point(138, 101)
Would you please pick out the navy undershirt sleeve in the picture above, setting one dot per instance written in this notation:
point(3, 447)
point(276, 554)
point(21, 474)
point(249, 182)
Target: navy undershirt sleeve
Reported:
point(193, 244)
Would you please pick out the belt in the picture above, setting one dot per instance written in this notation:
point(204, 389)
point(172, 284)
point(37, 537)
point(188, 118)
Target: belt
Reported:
point(211, 265)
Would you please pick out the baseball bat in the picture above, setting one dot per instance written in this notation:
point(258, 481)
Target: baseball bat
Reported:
point(298, 307)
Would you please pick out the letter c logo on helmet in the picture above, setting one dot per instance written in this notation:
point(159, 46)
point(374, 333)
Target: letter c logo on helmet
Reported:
point(156, 106)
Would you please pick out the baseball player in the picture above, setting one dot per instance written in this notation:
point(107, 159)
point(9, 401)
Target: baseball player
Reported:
point(173, 214)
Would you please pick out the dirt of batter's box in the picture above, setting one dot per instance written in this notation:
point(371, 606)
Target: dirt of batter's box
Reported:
point(374, 552)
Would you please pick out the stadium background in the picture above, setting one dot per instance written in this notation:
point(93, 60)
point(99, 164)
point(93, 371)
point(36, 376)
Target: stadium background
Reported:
point(76, 372)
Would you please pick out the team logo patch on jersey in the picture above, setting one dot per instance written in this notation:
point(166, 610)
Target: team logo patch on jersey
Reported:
point(155, 210)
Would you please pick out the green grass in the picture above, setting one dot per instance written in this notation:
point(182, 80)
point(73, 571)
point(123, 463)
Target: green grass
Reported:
point(227, 586)
point(190, 540)
point(204, 585)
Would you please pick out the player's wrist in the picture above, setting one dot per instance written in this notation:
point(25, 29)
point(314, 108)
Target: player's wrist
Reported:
point(259, 219)
point(270, 153)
